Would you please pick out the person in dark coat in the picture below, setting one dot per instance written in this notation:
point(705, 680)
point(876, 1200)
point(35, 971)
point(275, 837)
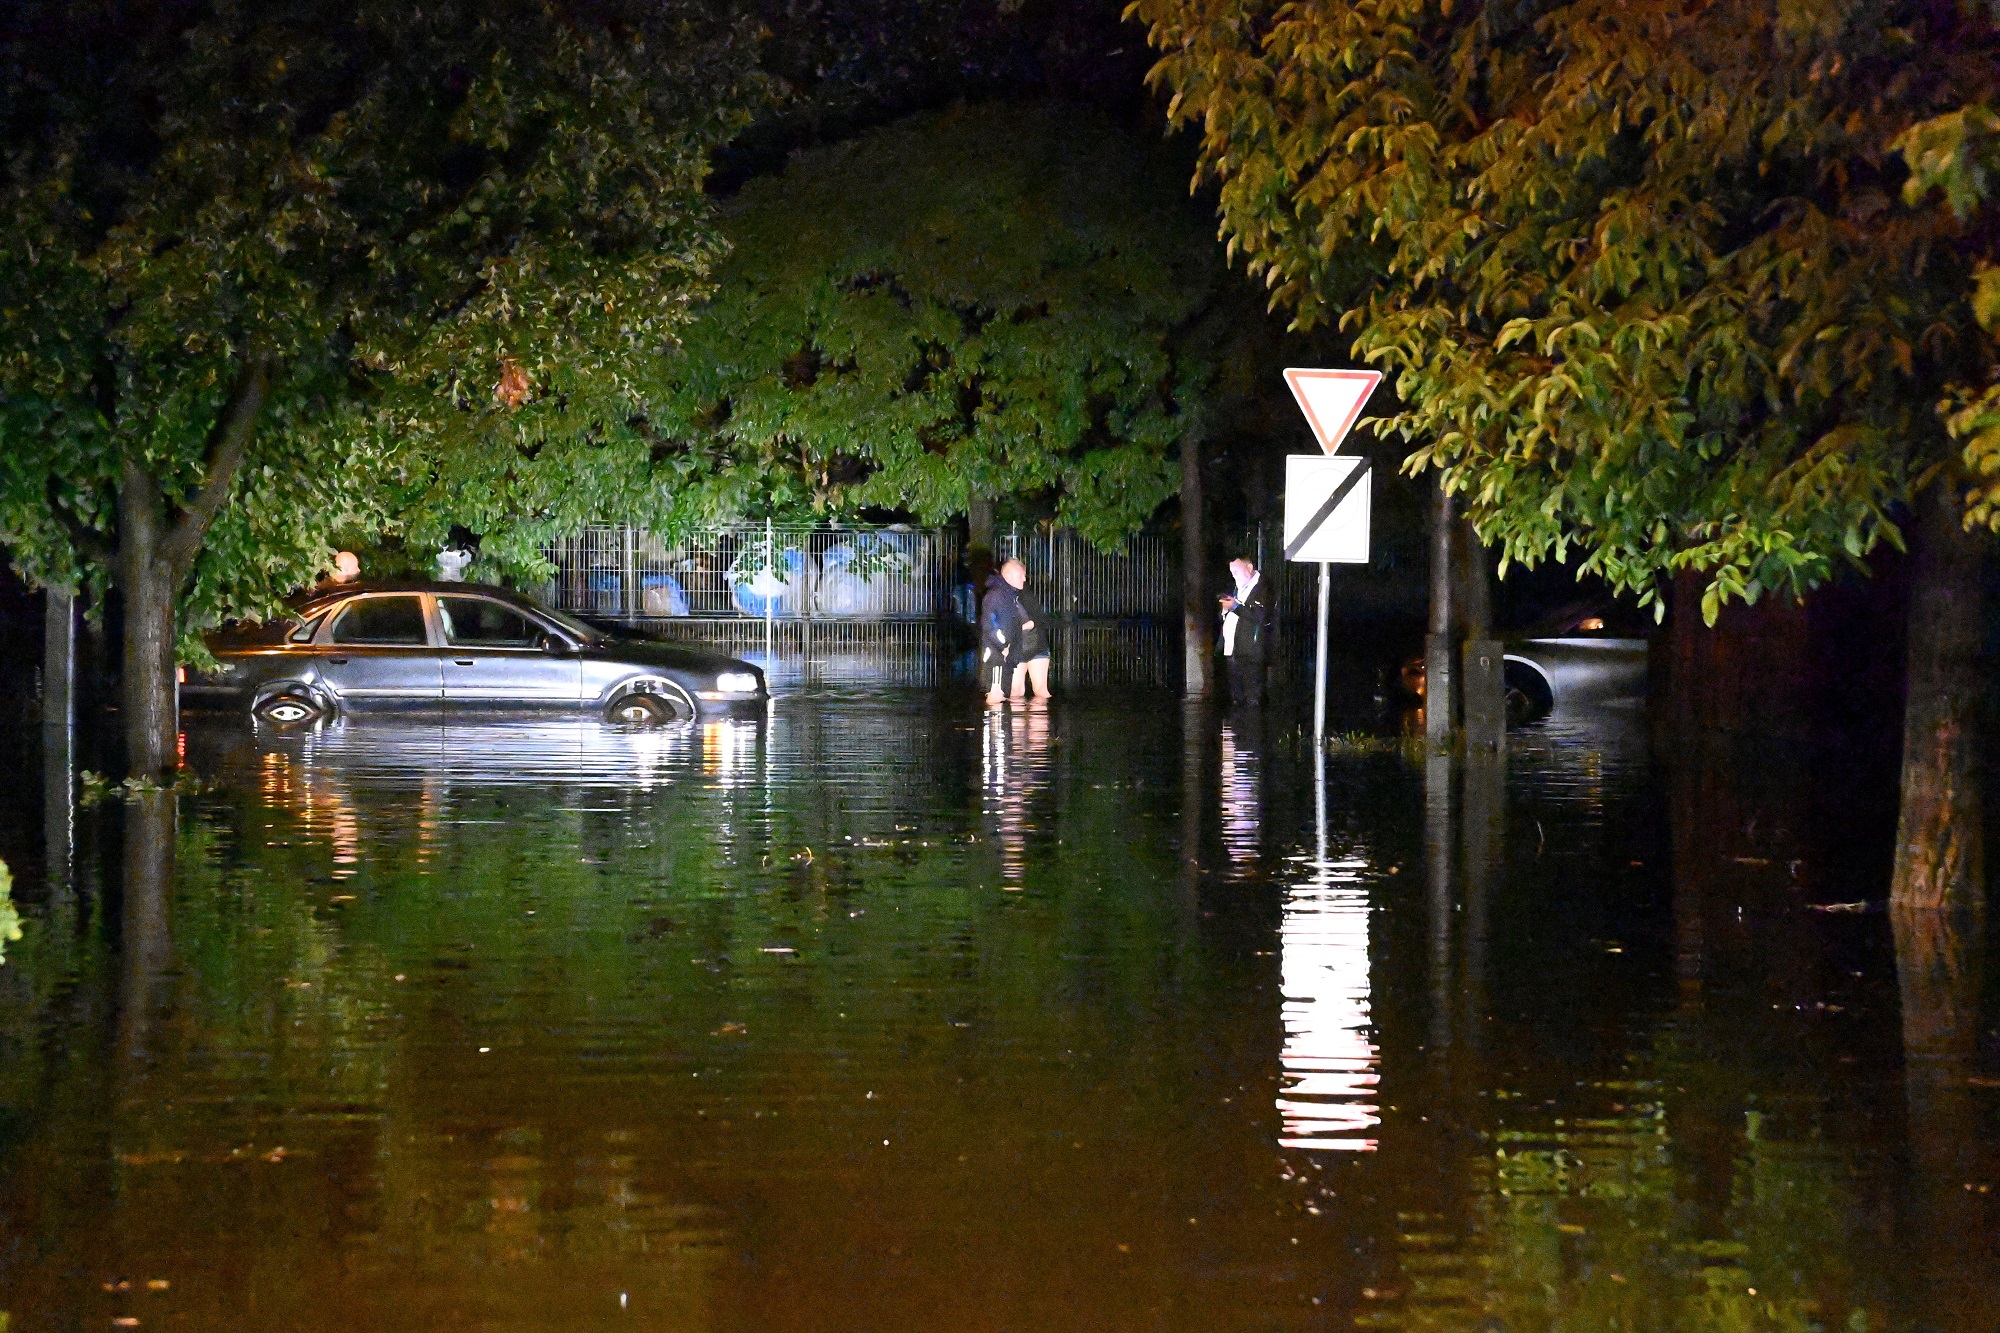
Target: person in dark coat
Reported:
point(1031, 651)
point(1245, 614)
point(1000, 620)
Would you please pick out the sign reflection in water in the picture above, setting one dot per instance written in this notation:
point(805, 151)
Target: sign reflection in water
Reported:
point(1328, 1098)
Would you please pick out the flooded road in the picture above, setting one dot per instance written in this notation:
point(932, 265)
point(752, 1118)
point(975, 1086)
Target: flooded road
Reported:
point(887, 1013)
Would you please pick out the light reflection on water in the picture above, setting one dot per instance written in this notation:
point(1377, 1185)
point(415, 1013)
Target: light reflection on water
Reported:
point(1329, 1096)
point(888, 1011)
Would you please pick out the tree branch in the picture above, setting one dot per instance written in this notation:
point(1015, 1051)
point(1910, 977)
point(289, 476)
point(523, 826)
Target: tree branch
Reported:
point(226, 449)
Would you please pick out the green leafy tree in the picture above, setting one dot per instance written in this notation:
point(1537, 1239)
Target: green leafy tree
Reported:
point(1646, 284)
point(1957, 155)
point(1009, 300)
point(271, 271)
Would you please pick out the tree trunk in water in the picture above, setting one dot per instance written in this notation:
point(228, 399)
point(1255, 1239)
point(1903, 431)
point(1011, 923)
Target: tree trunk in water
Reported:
point(1940, 843)
point(157, 549)
point(149, 587)
point(979, 541)
point(1439, 668)
point(1196, 619)
point(59, 658)
point(1482, 685)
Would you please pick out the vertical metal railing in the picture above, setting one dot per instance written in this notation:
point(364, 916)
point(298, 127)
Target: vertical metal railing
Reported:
point(822, 595)
point(765, 571)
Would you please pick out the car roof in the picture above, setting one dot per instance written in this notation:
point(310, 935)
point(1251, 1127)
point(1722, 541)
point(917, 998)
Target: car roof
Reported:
point(319, 598)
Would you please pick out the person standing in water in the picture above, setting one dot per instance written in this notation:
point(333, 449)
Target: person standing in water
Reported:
point(1000, 619)
point(1243, 617)
point(1031, 652)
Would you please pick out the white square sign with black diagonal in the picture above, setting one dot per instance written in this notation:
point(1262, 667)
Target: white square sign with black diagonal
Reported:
point(1327, 508)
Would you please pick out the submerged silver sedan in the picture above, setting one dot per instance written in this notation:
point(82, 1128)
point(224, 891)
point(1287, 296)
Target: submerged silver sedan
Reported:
point(426, 645)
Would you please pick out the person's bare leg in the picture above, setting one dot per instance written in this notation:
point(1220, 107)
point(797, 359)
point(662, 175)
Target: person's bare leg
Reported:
point(1038, 672)
point(1019, 689)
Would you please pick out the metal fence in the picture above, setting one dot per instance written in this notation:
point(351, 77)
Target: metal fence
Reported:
point(1077, 581)
point(756, 572)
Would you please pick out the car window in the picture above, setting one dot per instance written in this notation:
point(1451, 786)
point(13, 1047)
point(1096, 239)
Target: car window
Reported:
point(395, 621)
point(584, 633)
point(475, 622)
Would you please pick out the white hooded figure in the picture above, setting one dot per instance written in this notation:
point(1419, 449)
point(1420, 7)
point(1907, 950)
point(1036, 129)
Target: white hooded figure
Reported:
point(451, 564)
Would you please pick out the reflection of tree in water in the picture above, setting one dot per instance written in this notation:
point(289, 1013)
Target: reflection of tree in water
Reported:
point(1599, 1221)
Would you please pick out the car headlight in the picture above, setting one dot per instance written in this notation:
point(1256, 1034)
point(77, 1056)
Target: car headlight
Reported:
point(736, 682)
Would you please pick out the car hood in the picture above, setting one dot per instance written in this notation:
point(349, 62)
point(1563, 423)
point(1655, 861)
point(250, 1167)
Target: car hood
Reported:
point(653, 652)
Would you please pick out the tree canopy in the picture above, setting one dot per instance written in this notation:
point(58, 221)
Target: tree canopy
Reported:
point(1640, 267)
point(272, 270)
point(299, 266)
point(1004, 300)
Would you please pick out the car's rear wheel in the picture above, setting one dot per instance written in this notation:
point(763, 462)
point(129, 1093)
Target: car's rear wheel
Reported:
point(647, 710)
point(1529, 698)
point(287, 709)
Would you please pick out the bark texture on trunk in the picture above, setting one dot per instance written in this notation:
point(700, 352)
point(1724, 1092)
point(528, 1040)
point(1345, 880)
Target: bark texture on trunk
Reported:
point(59, 658)
point(149, 588)
point(1482, 684)
point(1940, 843)
point(1197, 619)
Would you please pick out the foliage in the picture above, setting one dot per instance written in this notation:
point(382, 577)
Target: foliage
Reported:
point(1959, 154)
point(1640, 266)
point(1004, 300)
point(849, 64)
point(389, 212)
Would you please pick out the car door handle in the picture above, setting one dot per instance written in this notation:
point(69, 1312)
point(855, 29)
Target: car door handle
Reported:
point(338, 661)
point(463, 661)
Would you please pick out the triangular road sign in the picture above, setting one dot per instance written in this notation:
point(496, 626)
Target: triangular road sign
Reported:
point(1331, 400)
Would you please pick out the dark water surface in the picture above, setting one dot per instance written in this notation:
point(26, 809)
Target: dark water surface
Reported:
point(890, 1014)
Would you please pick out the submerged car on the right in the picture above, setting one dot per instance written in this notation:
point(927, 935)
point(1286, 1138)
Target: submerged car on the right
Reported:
point(1594, 655)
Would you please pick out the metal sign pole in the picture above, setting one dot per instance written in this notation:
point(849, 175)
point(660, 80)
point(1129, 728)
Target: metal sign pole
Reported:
point(1319, 669)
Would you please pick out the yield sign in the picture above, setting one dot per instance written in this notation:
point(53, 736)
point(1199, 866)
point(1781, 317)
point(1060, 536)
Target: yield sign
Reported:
point(1331, 400)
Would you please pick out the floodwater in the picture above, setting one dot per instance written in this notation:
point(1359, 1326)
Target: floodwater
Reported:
point(890, 1013)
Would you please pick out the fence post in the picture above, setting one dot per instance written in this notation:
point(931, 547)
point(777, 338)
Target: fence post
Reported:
point(632, 603)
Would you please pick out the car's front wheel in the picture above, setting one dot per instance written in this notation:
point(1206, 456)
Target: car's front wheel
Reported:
point(287, 709)
point(646, 710)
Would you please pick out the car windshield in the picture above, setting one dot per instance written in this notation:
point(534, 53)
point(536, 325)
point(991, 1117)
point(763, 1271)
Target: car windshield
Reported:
point(587, 633)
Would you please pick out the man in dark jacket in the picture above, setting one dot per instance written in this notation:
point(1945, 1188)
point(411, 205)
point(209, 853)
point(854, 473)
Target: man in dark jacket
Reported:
point(1244, 616)
point(1000, 619)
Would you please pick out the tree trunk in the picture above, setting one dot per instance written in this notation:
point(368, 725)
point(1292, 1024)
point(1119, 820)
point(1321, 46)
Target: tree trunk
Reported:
point(1940, 843)
point(59, 658)
point(1439, 669)
point(155, 557)
point(1482, 684)
point(1197, 621)
point(148, 588)
point(979, 541)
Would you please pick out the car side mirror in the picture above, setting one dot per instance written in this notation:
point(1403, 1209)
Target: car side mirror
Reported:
point(552, 643)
